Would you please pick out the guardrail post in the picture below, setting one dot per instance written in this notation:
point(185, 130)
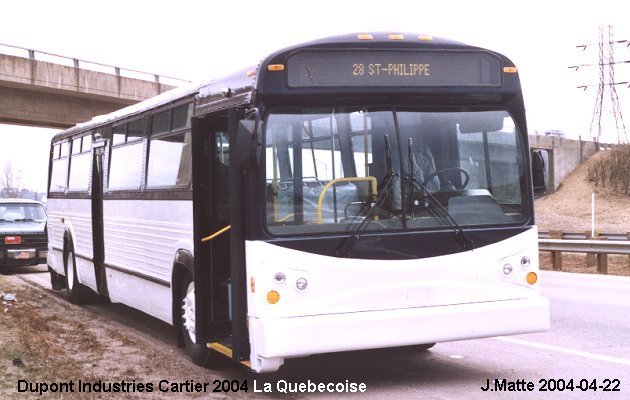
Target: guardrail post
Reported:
point(602, 263)
point(602, 258)
point(556, 256)
point(591, 260)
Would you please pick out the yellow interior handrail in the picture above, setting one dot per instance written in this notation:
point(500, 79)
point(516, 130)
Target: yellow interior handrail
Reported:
point(320, 201)
point(217, 233)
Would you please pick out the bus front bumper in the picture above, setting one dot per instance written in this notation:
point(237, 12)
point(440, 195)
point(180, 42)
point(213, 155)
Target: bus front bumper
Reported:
point(274, 339)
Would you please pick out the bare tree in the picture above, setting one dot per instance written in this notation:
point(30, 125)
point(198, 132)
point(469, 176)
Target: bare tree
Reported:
point(10, 181)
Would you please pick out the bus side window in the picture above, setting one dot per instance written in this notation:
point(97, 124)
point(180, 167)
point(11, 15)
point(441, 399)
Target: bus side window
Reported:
point(80, 161)
point(170, 153)
point(127, 156)
point(125, 170)
point(169, 161)
point(59, 173)
point(220, 176)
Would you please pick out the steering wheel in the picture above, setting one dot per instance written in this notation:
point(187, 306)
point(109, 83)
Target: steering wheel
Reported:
point(436, 173)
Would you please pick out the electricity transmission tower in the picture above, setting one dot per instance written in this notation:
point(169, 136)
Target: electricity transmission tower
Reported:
point(607, 100)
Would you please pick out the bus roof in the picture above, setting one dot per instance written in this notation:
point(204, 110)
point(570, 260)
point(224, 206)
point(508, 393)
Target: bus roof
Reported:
point(250, 79)
point(385, 38)
point(129, 111)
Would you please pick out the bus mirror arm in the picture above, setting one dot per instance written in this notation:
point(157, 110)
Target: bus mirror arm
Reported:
point(251, 125)
point(252, 116)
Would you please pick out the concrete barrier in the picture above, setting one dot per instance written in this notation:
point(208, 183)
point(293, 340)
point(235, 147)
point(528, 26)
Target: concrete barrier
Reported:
point(564, 155)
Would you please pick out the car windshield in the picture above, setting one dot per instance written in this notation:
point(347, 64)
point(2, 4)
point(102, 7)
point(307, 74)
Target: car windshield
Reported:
point(330, 169)
point(21, 212)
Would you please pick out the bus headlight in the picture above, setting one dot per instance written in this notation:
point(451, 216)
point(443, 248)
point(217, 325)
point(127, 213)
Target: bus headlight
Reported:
point(525, 261)
point(279, 278)
point(301, 283)
point(507, 269)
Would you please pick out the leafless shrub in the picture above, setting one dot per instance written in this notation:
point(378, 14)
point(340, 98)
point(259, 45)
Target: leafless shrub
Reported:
point(612, 171)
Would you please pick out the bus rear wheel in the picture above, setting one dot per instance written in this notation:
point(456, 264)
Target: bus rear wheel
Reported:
point(76, 291)
point(57, 281)
point(199, 353)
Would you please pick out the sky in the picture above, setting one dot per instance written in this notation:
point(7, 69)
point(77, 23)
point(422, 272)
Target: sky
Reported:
point(202, 39)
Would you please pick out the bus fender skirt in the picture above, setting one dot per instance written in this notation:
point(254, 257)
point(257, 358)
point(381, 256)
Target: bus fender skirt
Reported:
point(185, 259)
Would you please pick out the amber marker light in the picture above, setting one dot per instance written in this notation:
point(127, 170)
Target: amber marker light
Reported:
point(273, 297)
point(275, 67)
point(426, 38)
point(396, 37)
point(365, 36)
point(531, 278)
point(510, 70)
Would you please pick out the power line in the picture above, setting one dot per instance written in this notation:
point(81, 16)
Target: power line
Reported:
point(586, 45)
point(576, 67)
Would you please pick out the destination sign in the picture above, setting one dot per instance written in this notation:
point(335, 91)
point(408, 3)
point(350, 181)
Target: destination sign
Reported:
point(393, 68)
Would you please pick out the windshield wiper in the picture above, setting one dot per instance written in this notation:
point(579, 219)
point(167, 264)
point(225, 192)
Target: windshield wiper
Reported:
point(460, 235)
point(24, 220)
point(375, 206)
point(361, 226)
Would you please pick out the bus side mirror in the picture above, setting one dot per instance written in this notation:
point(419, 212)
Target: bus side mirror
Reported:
point(248, 125)
point(540, 178)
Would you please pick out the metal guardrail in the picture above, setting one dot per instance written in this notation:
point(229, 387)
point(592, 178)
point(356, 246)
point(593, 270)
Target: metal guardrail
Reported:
point(585, 246)
point(76, 63)
point(597, 249)
point(584, 236)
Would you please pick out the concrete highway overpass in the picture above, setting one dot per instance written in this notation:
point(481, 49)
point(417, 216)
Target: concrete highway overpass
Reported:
point(40, 93)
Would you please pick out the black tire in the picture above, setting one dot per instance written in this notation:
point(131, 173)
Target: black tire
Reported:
point(76, 291)
point(57, 281)
point(200, 354)
point(421, 347)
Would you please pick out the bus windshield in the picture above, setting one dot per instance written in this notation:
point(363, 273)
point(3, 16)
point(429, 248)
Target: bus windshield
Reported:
point(330, 169)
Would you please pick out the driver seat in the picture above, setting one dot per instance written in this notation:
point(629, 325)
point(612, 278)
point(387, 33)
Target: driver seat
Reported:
point(423, 166)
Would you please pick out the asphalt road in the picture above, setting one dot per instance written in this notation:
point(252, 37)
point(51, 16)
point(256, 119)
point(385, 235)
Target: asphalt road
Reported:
point(586, 351)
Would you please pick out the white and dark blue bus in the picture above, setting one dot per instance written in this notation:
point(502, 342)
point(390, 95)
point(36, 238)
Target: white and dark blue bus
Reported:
point(355, 192)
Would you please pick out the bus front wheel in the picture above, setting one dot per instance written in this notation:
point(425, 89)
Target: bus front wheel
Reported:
point(199, 353)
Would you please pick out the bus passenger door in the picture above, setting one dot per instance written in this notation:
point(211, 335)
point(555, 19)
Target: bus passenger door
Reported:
point(98, 146)
point(211, 212)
